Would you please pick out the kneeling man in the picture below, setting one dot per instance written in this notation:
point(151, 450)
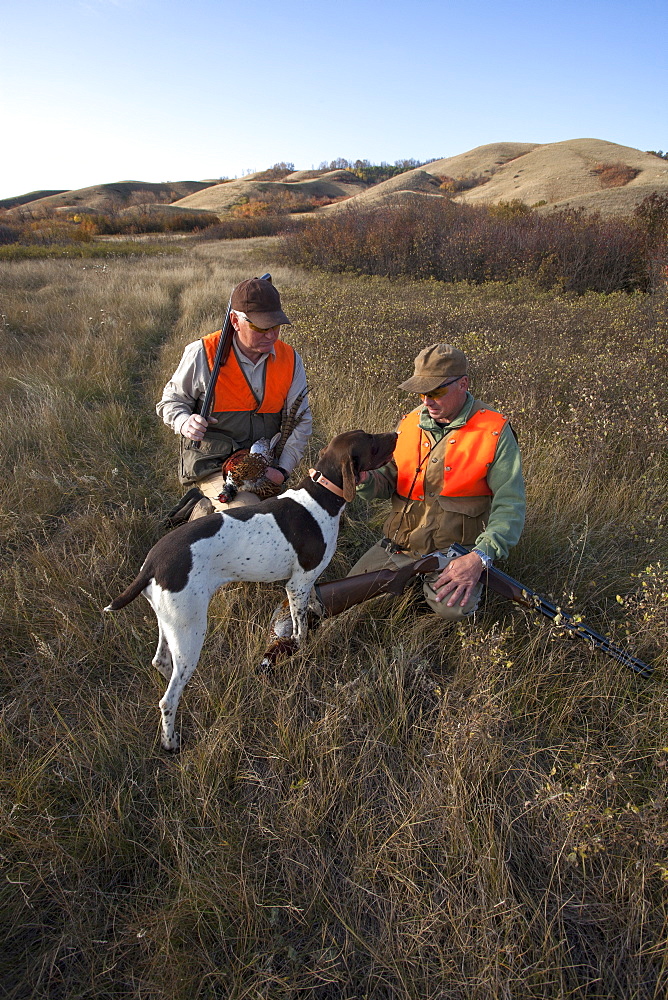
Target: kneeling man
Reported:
point(456, 476)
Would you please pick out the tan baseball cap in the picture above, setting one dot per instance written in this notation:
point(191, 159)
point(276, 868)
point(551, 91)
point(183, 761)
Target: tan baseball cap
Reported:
point(261, 302)
point(435, 365)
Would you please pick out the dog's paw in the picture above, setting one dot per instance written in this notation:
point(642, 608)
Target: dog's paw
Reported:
point(171, 745)
point(280, 649)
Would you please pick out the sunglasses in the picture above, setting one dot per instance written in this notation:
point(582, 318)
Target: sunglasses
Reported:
point(439, 390)
point(260, 329)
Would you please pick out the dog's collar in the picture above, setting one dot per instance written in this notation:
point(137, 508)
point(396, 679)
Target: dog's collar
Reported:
point(321, 480)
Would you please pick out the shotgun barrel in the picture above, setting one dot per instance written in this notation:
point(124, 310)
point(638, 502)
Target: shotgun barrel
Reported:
point(221, 356)
point(506, 586)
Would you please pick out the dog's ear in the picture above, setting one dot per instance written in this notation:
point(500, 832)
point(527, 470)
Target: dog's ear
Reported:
point(349, 480)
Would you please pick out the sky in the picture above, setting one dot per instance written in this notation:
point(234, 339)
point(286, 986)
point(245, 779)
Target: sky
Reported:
point(96, 91)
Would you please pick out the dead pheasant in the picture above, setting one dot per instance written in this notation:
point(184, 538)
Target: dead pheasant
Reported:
point(246, 469)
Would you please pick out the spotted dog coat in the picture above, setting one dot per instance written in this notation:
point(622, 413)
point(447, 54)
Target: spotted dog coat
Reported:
point(290, 538)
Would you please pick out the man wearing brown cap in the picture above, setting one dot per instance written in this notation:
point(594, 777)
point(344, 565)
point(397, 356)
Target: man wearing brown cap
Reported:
point(261, 373)
point(456, 476)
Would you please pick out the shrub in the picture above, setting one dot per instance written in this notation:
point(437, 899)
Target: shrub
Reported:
point(243, 227)
point(652, 215)
point(514, 209)
point(139, 221)
point(614, 174)
point(453, 185)
point(439, 239)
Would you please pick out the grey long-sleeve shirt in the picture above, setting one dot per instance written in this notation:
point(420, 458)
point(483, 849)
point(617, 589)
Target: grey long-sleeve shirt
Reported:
point(189, 383)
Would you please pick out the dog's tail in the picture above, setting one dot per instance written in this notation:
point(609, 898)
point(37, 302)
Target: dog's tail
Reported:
point(131, 592)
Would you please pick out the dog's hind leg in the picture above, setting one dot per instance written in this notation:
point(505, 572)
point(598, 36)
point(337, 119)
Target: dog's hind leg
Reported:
point(185, 649)
point(162, 660)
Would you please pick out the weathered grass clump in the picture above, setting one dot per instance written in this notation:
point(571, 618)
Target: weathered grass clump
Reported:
point(403, 810)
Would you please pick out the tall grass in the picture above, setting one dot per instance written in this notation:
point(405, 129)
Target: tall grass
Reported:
point(404, 810)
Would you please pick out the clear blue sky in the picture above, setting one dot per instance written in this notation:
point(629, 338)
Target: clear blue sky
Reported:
point(104, 90)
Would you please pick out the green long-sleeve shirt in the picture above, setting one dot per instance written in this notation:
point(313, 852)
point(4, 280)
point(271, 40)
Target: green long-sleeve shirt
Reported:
point(508, 505)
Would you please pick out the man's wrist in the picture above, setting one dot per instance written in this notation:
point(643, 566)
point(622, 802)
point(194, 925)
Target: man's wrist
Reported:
point(484, 558)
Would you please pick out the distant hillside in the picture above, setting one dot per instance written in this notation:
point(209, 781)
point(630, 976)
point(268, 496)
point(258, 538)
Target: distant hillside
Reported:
point(121, 194)
point(580, 173)
point(593, 174)
point(325, 185)
point(25, 199)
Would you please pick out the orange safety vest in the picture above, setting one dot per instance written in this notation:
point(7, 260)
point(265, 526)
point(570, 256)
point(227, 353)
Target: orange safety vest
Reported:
point(469, 452)
point(233, 393)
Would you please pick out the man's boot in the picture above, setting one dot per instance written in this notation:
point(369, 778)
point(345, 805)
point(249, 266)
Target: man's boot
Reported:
point(181, 512)
point(202, 508)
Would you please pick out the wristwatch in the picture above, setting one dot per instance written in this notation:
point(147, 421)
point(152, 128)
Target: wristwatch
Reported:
point(484, 558)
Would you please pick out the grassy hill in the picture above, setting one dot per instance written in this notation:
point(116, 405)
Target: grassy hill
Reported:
point(26, 199)
point(403, 811)
point(588, 173)
point(579, 173)
point(285, 195)
point(118, 195)
point(593, 174)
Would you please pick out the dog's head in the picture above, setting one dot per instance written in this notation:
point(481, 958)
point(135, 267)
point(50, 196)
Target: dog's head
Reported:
point(349, 454)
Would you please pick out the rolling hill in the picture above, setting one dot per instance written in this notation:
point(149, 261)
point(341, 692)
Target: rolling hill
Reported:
point(119, 195)
point(593, 174)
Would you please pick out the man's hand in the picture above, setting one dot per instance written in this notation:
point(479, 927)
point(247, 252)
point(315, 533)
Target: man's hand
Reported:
point(274, 475)
point(458, 579)
point(194, 428)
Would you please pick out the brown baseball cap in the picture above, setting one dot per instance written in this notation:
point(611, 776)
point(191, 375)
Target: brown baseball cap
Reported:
point(261, 302)
point(435, 365)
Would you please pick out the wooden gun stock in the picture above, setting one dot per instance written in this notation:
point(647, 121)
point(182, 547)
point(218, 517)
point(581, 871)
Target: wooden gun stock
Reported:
point(339, 595)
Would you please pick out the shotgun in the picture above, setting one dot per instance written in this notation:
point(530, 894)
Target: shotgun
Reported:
point(221, 356)
point(339, 595)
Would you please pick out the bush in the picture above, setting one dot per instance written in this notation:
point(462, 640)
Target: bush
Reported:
point(614, 174)
point(438, 239)
point(147, 222)
point(243, 227)
point(652, 215)
point(453, 185)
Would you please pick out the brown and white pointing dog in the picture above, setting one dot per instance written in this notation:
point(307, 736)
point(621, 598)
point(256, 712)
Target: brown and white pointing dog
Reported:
point(291, 538)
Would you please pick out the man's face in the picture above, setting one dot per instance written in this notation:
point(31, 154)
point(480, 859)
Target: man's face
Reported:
point(253, 340)
point(445, 408)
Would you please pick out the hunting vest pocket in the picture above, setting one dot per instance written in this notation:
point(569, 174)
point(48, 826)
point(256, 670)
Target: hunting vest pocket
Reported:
point(459, 519)
point(421, 527)
point(469, 506)
point(196, 463)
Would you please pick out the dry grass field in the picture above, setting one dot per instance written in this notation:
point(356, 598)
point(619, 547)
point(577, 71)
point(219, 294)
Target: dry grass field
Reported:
point(405, 811)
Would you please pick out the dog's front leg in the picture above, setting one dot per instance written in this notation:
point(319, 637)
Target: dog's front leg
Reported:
point(298, 590)
point(289, 624)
